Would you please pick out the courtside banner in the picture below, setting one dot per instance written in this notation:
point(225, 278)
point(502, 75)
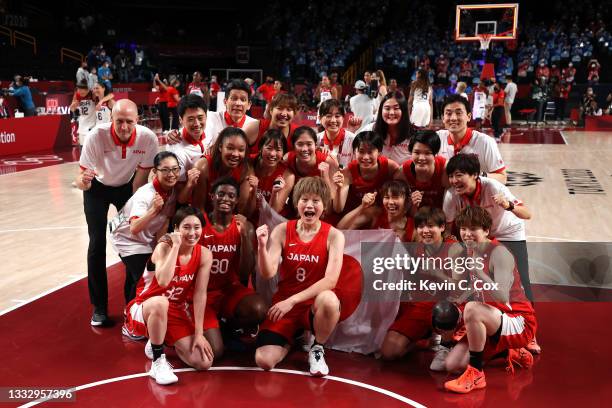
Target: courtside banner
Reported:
point(33, 134)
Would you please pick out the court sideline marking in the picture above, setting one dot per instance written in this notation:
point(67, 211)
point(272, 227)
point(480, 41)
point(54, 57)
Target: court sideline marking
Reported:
point(231, 368)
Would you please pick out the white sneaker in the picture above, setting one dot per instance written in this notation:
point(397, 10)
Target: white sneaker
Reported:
point(161, 371)
point(439, 361)
point(434, 342)
point(149, 350)
point(316, 359)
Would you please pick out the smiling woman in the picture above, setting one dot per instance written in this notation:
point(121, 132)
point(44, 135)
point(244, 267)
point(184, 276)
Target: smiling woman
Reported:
point(145, 218)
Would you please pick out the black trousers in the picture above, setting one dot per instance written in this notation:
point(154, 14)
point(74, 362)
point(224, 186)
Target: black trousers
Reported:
point(164, 115)
point(175, 118)
point(96, 202)
point(134, 268)
point(519, 250)
point(496, 120)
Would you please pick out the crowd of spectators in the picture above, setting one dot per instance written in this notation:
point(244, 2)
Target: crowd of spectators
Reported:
point(324, 39)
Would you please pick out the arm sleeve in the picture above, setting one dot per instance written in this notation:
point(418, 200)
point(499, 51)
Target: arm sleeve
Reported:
point(492, 160)
point(450, 206)
point(141, 201)
point(90, 153)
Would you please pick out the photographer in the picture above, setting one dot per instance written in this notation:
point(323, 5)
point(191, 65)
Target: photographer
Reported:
point(19, 89)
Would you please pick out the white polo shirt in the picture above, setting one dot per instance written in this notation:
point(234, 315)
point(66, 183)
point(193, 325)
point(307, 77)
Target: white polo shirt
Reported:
point(398, 153)
point(480, 144)
point(343, 151)
point(216, 122)
point(506, 226)
point(123, 241)
point(188, 152)
point(113, 161)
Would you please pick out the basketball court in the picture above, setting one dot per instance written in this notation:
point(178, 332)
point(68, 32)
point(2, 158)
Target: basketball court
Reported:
point(562, 174)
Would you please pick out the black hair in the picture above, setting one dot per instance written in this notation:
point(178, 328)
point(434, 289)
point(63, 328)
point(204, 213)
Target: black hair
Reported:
point(406, 130)
point(427, 137)
point(457, 98)
point(226, 181)
point(185, 212)
point(327, 106)
point(237, 85)
point(396, 187)
point(429, 215)
point(224, 134)
point(159, 157)
point(368, 137)
point(271, 135)
point(465, 163)
point(303, 129)
point(191, 101)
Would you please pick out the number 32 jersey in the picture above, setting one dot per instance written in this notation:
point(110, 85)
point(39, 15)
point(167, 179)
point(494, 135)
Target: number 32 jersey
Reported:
point(225, 248)
point(180, 288)
point(304, 263)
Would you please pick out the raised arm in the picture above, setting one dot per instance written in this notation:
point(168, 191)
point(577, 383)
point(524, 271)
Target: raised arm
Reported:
point(267, 258)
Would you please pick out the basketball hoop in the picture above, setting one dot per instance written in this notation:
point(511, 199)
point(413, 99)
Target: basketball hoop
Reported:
point(485, 40)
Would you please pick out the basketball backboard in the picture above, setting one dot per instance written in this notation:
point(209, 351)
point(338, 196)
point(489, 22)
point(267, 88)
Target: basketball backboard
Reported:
point(497, 20)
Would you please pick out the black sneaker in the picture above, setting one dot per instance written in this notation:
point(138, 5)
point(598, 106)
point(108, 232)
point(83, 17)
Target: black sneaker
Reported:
point(100, 318)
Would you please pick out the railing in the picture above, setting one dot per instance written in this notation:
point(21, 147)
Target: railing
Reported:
point(363, 62)
point(26, 38)
point(71, 54)
point(9, 33)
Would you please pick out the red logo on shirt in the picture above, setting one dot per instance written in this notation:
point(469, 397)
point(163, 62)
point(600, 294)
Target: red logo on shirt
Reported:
point(139, 152)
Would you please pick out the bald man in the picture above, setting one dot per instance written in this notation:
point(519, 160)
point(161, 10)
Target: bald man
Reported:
point(116, 160)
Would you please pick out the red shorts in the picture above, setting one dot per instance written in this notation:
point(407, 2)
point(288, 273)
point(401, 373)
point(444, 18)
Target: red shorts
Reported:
point(180, 322)
point(297, 318)
point(348, 290)
point(223, 302)
point(413, 320)
point(517, 330)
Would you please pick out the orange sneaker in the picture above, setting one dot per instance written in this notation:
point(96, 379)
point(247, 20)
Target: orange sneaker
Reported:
point(533, 347)
point(471, 379)
point(520, 357)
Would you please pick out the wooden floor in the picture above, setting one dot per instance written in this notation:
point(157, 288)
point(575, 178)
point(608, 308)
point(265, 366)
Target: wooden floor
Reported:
point(44, 236)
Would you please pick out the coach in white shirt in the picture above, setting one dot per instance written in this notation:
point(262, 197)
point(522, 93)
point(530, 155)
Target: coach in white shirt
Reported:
point(457, 138)
point(510, 91)
point(116, 160)
point(507, 212)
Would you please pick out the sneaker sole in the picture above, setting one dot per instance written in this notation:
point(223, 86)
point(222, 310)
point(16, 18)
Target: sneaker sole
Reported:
point(318, 374)
point(464, 391)
point(163, 382)
point(96, 324)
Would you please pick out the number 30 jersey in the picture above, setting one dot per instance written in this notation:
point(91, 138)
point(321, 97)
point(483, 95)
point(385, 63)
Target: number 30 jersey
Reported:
point(304, 263)
point(225, 248)
point(180, 288)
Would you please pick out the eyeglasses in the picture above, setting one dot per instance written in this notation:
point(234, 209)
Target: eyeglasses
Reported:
point(165, 171)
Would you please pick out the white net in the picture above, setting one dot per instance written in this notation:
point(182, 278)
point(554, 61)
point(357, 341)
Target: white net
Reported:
point(485, 40)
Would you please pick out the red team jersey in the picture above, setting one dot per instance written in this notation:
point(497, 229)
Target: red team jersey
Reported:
point(433, 190)
point(180, 287)
point(264, 124)
point(304, 263)
point(291, 163)
point(360, 186)
point(382, 222)
point(213, 174)
point(225, 248)
point(518, 300)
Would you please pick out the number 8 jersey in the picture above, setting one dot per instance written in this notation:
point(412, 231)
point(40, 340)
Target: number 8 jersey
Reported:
point(225, 248)
point(304, 263)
